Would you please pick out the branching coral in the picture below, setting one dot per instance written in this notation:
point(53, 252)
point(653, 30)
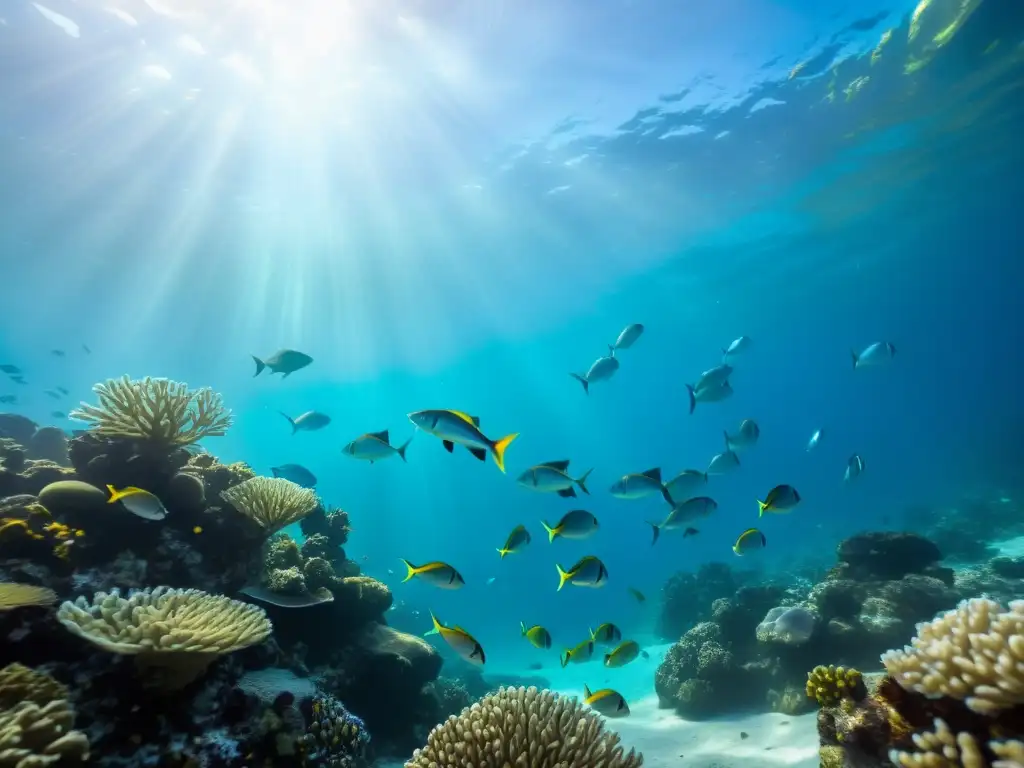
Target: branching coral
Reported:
point(272, 502)
point(942, 748)
point(524, 727)
point(36, 720)
point(176, 633)
point(974, 653)
point(828, 685)
point(159, 411)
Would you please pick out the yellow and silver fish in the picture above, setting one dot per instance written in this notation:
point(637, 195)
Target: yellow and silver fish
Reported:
point(749, 541)
point(460, 641)
point(438, 574)
point(578, 655)
point(606, 702)
point(515, 542)
point(781, 498)
point(375, 446)
point(587, 572)
point(622, 654)
point(537, 635)
point(575, 524)
point(606, 633)
point(682, 514)
point(554, 477)
point(458, 427)
point(139, 502)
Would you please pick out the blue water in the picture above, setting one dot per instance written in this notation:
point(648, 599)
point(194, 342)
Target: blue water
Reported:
point(455, 206)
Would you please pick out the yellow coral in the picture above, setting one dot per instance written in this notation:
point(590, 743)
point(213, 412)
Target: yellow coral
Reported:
point(829, 685)
point(36, 720)
point(14, 595)
point(160, 411)
point(272, 502)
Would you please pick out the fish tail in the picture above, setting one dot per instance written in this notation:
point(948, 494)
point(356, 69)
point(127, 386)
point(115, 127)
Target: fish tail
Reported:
point(436, 630)
point(592, 635)
point(856, 359)
point(726, 433)
point(114, 494)
point(693, 397)
point(562, 578)
point(500, 447)
point(657, 532)
point(564, 659)
point(295, 427)
point(552, 532)
point(502, 552)
point(260, 365)
point(522, 628)
point(611, 350)
point(761, 507)
point(582, 481)
point(668, 496)
point(402, 448)
point(411, 571)
point(582, 380)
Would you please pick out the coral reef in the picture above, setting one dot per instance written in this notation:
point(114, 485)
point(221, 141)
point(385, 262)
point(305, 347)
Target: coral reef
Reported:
point(36, 721)
point(686, 598)
point(271, 502)
point(829, 685)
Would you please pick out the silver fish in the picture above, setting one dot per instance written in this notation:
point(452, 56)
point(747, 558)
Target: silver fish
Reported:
point(640, 484)
point(854, 467)
point(723, 463)
point(879, 353)
point(297, 473)
point(602, 369)
point(686, 485)
point(606, 702)
point(310, 421)
point(746, 436)
point(286, 361)
point(553, 477)
point(714, 377)
point(682, 514)
point(375, 446)
point(628, 336)
point(711, 394)
point(736, 346)
point(815, 439)
point(458, 427)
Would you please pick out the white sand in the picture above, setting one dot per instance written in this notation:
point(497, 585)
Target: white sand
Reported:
point(1011, 547)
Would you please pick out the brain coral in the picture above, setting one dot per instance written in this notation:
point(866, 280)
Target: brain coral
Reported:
point(791, 626)
point(524, 727)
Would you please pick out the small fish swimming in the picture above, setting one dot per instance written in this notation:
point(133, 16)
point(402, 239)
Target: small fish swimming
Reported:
point(606, 633)
point(62, 390)
point(686, 485)
point(460, 641)
point(640, 485)
point(310, 421)
point(691, 509)
point(711, 394)
point(86, 349)
point(628, 336)
point(58, 414)
point(9, 369)
point(286, 361)
point(601, 370)
point(516, 541)
point(52, 393)
point(854, 466)
point(781, 498)
point(637, 594)
point(746, 436)
point(297, 473)
point(458, 427)
point(737, 345)
point(537, 635)
point(606, 702)
point(375, 446)
point(57, 352)
point(690, 532)
point(724, 463)
point(714, 377)
point(8, 399)
point(578, 655)
point(879, 353)
point(436, 573)
point(587, 572)
point(576, 524)
point(17, 378)
point(750, 540)
point(622, 654)
point(554, 477)
point(139, 502)
point(815, 439)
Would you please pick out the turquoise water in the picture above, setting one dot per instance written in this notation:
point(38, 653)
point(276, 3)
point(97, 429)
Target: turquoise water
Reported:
point(456, 206)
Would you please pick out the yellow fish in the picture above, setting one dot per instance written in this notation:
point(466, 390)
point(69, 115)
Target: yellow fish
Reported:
point(606, 633)
point(606, 702)
point(438, 574)
point(622, 654)
point(637, 594)
point(458, 427)
point(516, 540)
point(588, 572)
point(460, 641)
point(581, 653)
point(537, 635)
point(139, 502)
point(781, 498)
point(748, 541)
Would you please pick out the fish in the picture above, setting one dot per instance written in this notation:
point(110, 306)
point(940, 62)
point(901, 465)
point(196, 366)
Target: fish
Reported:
point(310, 421)
point(537, 635)
point(737, 345)
point(578, 655)
point(622, 654)
point(554, 477)
point(8, 398)
point(58, 414)
point(458, 427)
point(460, 641)
point(515, 542)
point(645, 654)
point(63, 390)
point(297, 473)
point(197, 529)
point(815, 439)
point(589, 571)
point(854, 466)
point(628, 336)
point(601, 370)
point(781, 498)
point(52, 393)
point(714, 377)
point(712, 394)
point(879, 353)
point(606, 633)
point(690, 532)
point(436, 573)
point(639, 485)
point(139, 502)
point(637, 594)
point(723, 463)
point(749, 541)
point(691, 509)
point(57, 352)
point(685, 485)
point(17, 378)
point(606, 702)
point(375, 446)
point(746, 436)
point(286, 361)
point(575, 524)
point(9, 369)
point(86, 349)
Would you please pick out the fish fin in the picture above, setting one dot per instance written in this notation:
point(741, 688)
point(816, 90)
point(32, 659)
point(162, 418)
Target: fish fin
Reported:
point(479, 651)
point(586, 691)
point(761, 507)
point(275, 472)
point(561, 465)
point(522, 628)
point(260, 365)
point(657, 532)
point(607, 658)
point(286, 375)
point(382, 436)
point(400, 450)
point(567, 493)
point(736, 456)
point(856, 359)
point(562, 577)
point(474, 420)
point(736, 550)
point(432, 631)
point(654, 474)
point(411, 571)
point(502, 552)
point(564, 659)
point(668, 496)
point(448, 445)
point(552, 532)
point(295, 427)
point(693, 397)
point(611, 350)
point(480, 453)
point(582, 481)
point(500, 447)
point(115, 495)
point(582, 380)
point(726, 433)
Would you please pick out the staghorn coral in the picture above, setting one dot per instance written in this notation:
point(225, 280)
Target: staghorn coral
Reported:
point(159, 411)
point(271, 502)
point(13, 595)
point(175, 633)
point(36, 721)
point(974, 653)
point(828, 685)
point(524, 727)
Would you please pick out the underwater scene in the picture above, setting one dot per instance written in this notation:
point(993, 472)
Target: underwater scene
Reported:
point(478, 384)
